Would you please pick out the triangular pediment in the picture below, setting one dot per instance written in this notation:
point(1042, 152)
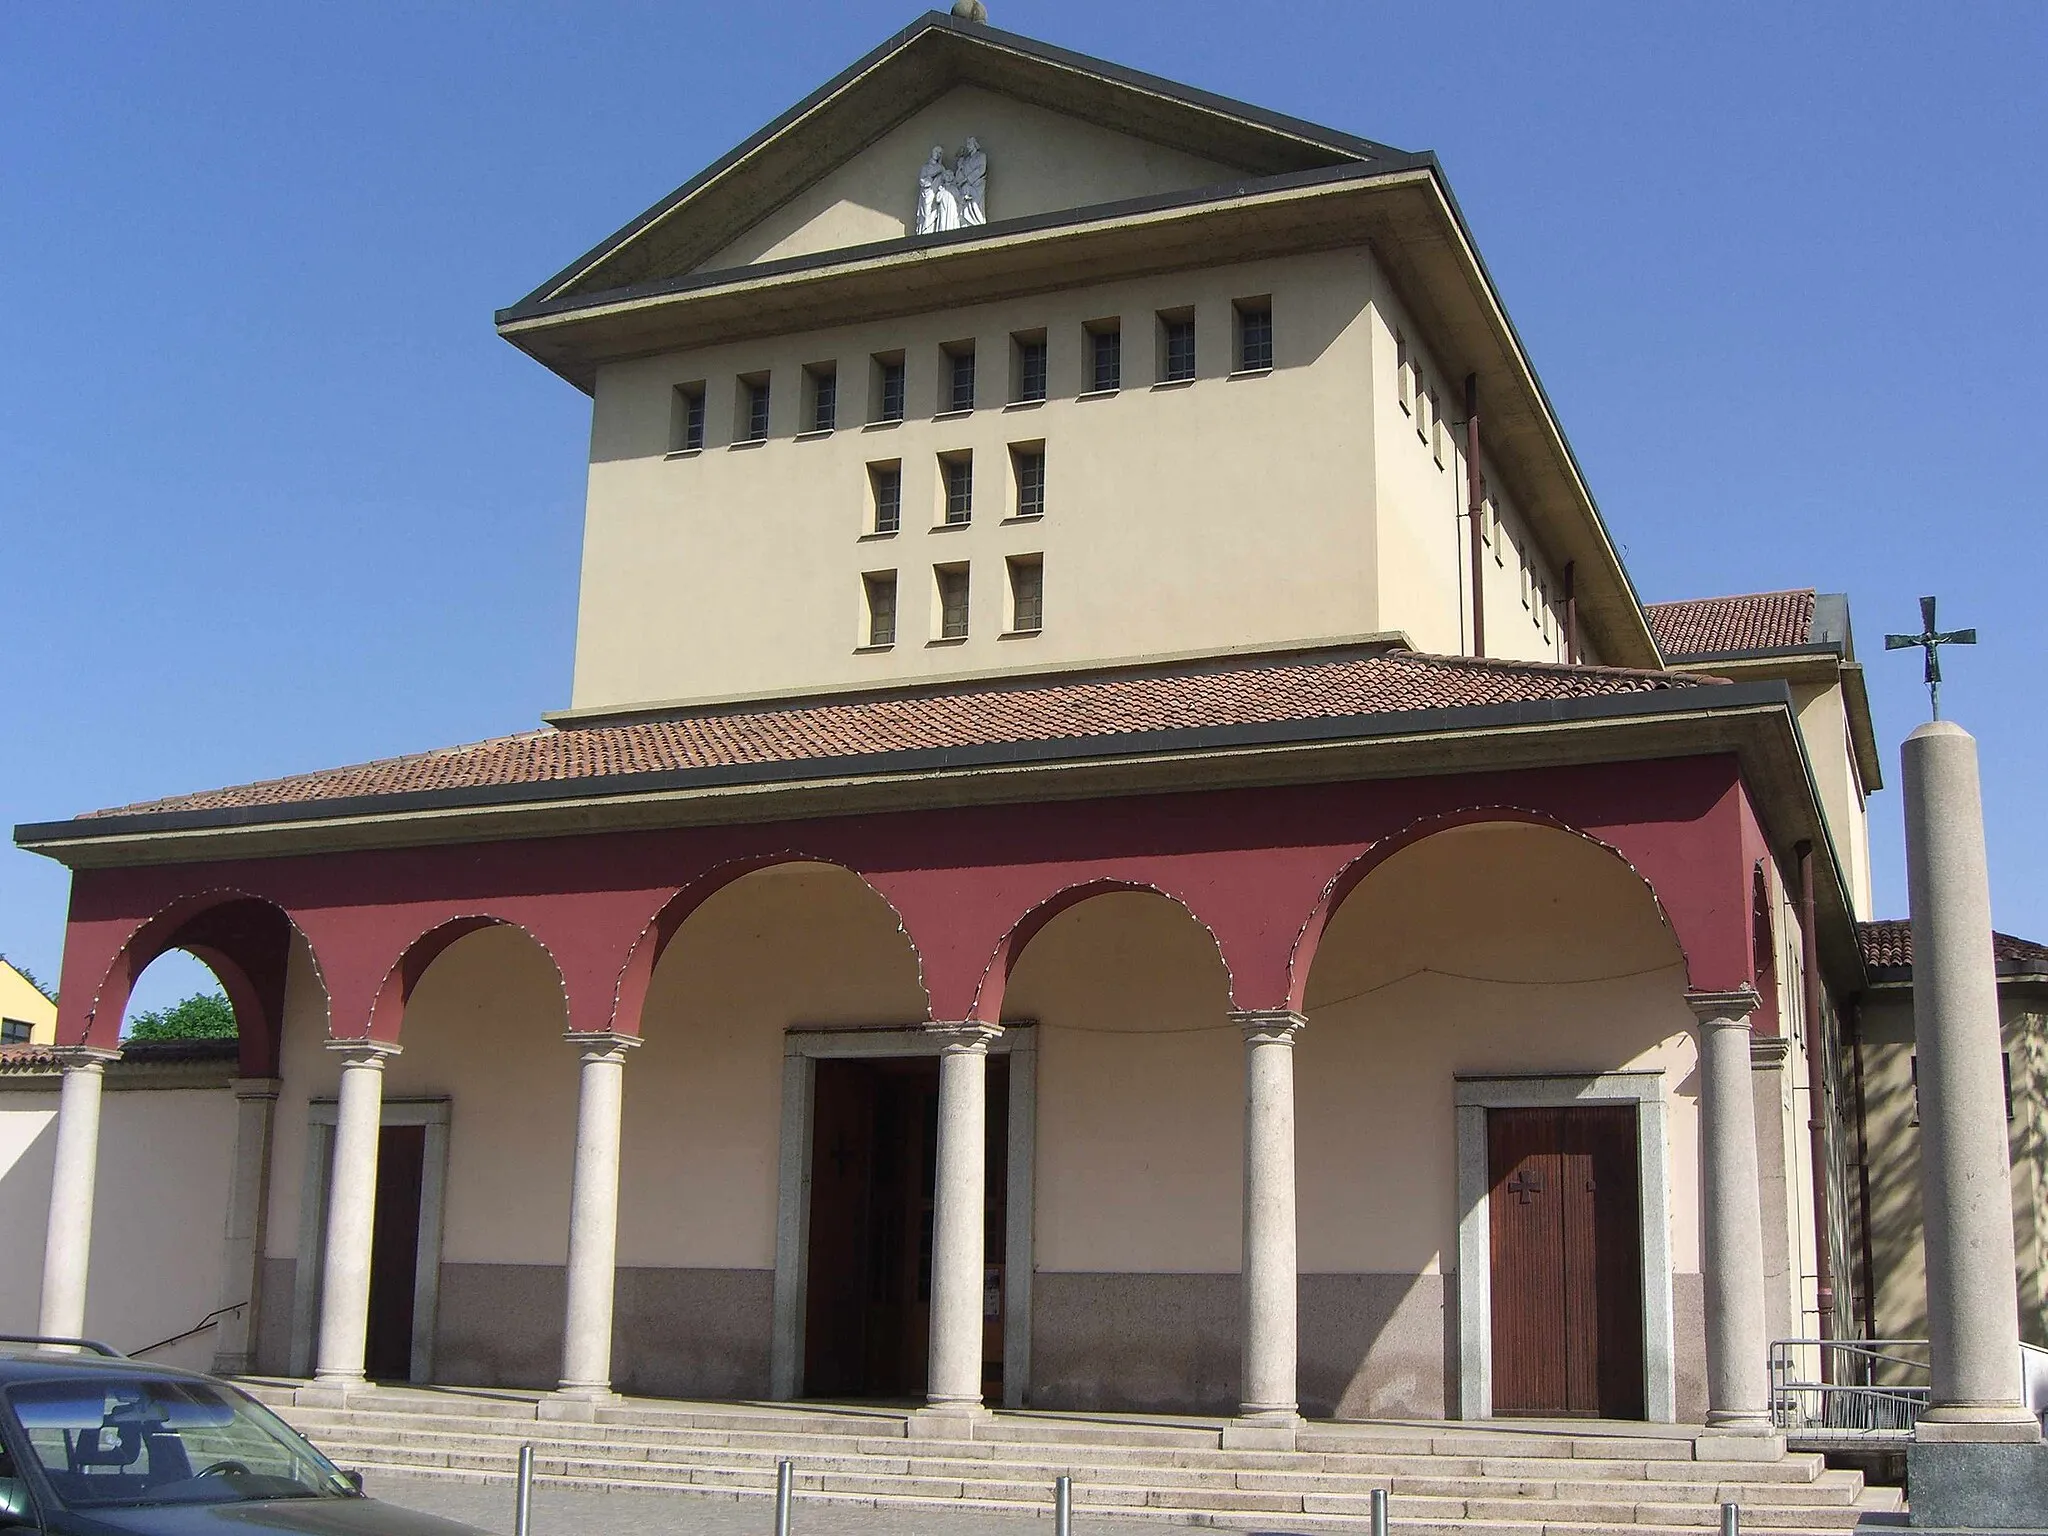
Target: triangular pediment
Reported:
point(840, 169)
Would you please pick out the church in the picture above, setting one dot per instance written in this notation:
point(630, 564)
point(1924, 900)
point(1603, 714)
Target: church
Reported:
point(1122, 839)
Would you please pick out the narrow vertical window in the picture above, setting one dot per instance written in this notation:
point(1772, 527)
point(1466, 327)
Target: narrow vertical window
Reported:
point(881, 596)
point(1422, 403)
point(1176, 346)
point(1436, 429)
point(956, 471)
point(1028, 348)
point(1254, 335)
point(888, 387)
point(821, 397)
point(1404, 375)
point(885, 485)
point(1027, 463)
point(952, 581)
point(753, 407)
point(1105, 356)
point(686, 419)
point(959, 377)
point(1027, 594)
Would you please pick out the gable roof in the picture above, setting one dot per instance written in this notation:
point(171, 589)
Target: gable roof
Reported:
point(1888, 951)
point(931, 56)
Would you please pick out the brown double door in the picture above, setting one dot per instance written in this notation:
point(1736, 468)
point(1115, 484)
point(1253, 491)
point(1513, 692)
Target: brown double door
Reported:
point(874, 1161)
point(1565, 1213)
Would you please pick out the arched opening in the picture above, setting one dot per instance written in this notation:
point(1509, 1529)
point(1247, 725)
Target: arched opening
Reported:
point(1137, 1178)
point(777, 980)
point(1497, 1004)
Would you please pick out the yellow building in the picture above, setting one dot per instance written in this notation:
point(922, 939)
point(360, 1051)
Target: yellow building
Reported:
point(27, 1017)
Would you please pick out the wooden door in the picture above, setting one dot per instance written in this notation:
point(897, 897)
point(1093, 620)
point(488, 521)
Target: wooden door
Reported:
point(395, 1251)
point(1565, 1219)
point(836, 1292)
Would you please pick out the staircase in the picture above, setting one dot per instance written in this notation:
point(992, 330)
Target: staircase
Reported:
point(1471, 1480)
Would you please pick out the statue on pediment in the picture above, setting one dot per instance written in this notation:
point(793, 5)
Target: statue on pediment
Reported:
point(951, 197)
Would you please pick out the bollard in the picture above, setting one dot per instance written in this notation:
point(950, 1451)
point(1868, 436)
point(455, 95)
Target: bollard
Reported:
point(784, 1473)
point(1379, 1512)
point(1063, 1506)
point(1731, 1520)
point(522, 1508)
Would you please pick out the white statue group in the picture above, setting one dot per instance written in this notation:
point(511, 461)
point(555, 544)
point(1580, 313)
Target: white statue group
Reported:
point(950, 197)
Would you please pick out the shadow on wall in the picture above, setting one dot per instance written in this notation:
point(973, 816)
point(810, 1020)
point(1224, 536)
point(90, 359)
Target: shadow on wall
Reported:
point(28, 1155)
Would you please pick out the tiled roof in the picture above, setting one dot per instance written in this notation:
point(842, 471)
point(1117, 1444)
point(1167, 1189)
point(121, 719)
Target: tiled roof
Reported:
point(1888, 945)
point(1713, 626)
point(35, 1060)
point(1271, 690)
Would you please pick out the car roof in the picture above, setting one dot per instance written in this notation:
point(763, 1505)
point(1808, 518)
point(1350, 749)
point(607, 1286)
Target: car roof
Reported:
point(27, 1362)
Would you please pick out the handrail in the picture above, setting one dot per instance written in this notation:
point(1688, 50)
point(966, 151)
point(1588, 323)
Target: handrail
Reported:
point(1848, 1400)
point(211, 1320)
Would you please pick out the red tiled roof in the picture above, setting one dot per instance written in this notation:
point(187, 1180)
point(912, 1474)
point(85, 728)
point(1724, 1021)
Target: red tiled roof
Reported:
point(1265, 691)
point(1889, 945)
point(1712, 626)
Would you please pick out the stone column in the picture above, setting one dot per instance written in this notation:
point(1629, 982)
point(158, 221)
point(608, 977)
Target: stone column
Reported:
point(958, 1222)
point(594, 1219)
point(1965, 1169)
point(234, 1346)
point(1268, 1414)
point(1732, 1233)
point(351, 1215)
point(68, 1247)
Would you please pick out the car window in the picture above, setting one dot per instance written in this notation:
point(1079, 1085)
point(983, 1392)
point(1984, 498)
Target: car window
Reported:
point(13, 1491)
point(104, 1441)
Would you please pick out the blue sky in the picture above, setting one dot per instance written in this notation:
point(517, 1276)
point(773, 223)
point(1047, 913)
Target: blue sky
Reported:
point(274, 497)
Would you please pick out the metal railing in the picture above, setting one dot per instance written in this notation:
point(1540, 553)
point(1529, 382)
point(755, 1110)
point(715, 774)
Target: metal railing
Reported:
point(1872, 1390)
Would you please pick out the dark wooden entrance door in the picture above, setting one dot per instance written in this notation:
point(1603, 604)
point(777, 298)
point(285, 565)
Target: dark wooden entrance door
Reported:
point(395, 1251)
point(874, 1161)
point(1565, 1213)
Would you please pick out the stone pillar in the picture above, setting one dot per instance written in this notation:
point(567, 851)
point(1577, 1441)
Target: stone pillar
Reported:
point(68, 1247)
point(1732, 1234)
point(1268, 1414)
point(958, 1221)
point(234, 1346)
point(594, 1219)
point(351, 1215)
point(1965, 1169)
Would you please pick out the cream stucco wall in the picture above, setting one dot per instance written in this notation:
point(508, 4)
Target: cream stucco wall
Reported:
point(1039, 162)
point(1824, 723)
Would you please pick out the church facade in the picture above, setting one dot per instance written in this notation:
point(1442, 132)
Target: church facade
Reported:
point(1122, 838)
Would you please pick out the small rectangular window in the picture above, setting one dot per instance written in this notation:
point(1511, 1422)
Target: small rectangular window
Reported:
point(1422, 403)
point(1404, 376)
point(1027, 463)
point(957, 474)
point(1105, 356)
point(952, 580)
point(1254, 335)
point(753, 411)
point(1436, 429)
point(881, 596)
point(885, 486)
point(686, 419)
point(1027, 594)
point(1028, 348)
point(959, 377)
point(888, 387)
point(1176, 346)
point(15, 1032)
point(821, 397)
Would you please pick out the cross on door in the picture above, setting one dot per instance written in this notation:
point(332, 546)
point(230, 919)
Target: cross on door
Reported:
point(1524, 1184)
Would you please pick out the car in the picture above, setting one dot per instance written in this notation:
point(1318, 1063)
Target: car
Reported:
point(95, 1444)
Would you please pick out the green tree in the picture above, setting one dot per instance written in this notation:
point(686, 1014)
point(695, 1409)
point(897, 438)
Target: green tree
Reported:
point(203, 1016)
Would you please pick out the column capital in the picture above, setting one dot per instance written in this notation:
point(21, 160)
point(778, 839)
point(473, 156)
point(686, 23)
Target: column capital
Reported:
point(602, 1044)
point(1734, 1007)
point(968, 1035)
point(1268, 1026)
point(83, 1058)
point(364, 1053)
point(257, 1087)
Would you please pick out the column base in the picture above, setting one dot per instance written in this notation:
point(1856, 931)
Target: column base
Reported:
point(1745, 1439)
point(946, 1421)
point(1993, 1424)
point(332, 1392)
point(576, 1403)
point(1983, 1487)
point(1262, 1429)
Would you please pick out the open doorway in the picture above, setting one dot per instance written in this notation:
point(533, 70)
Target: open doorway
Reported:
point(874, 1152)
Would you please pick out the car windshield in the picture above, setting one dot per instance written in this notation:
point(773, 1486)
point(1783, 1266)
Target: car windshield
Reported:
point(106, 1441)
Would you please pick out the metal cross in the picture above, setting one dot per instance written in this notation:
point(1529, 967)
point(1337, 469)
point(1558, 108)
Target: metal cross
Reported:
point(1526, 1183)
point(1931, 640)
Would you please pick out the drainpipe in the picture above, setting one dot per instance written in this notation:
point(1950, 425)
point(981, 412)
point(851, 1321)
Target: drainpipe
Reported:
point(1475, 499)
point(1863, 1176)
point(1816, 1105)
point(1571, 613)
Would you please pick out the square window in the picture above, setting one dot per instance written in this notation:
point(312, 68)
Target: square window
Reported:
point(1176, 346)
point(1027, 594)
point(888, 387)
point(956, 473)
point(880, 587)
point(686, 419)
point(959, 377)
point(753, 411)
point(15, 1031)
point(1027, 463)
point(952, 582)
point(1105, 356)
point(821, 397)
point(885, 489)
point(1028, 350)
point(1254, 335)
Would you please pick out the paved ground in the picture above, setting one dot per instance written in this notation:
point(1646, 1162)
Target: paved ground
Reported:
point(563, 1512)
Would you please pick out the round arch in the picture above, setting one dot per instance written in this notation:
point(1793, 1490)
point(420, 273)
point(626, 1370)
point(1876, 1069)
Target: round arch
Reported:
point(395, 991)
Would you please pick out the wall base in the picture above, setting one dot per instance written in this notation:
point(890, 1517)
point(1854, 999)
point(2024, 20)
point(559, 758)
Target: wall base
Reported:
point(1958, 1485)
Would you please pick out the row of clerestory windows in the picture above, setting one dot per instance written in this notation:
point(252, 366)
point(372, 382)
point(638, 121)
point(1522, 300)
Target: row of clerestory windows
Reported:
point(956, 487)
point(951, 604)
